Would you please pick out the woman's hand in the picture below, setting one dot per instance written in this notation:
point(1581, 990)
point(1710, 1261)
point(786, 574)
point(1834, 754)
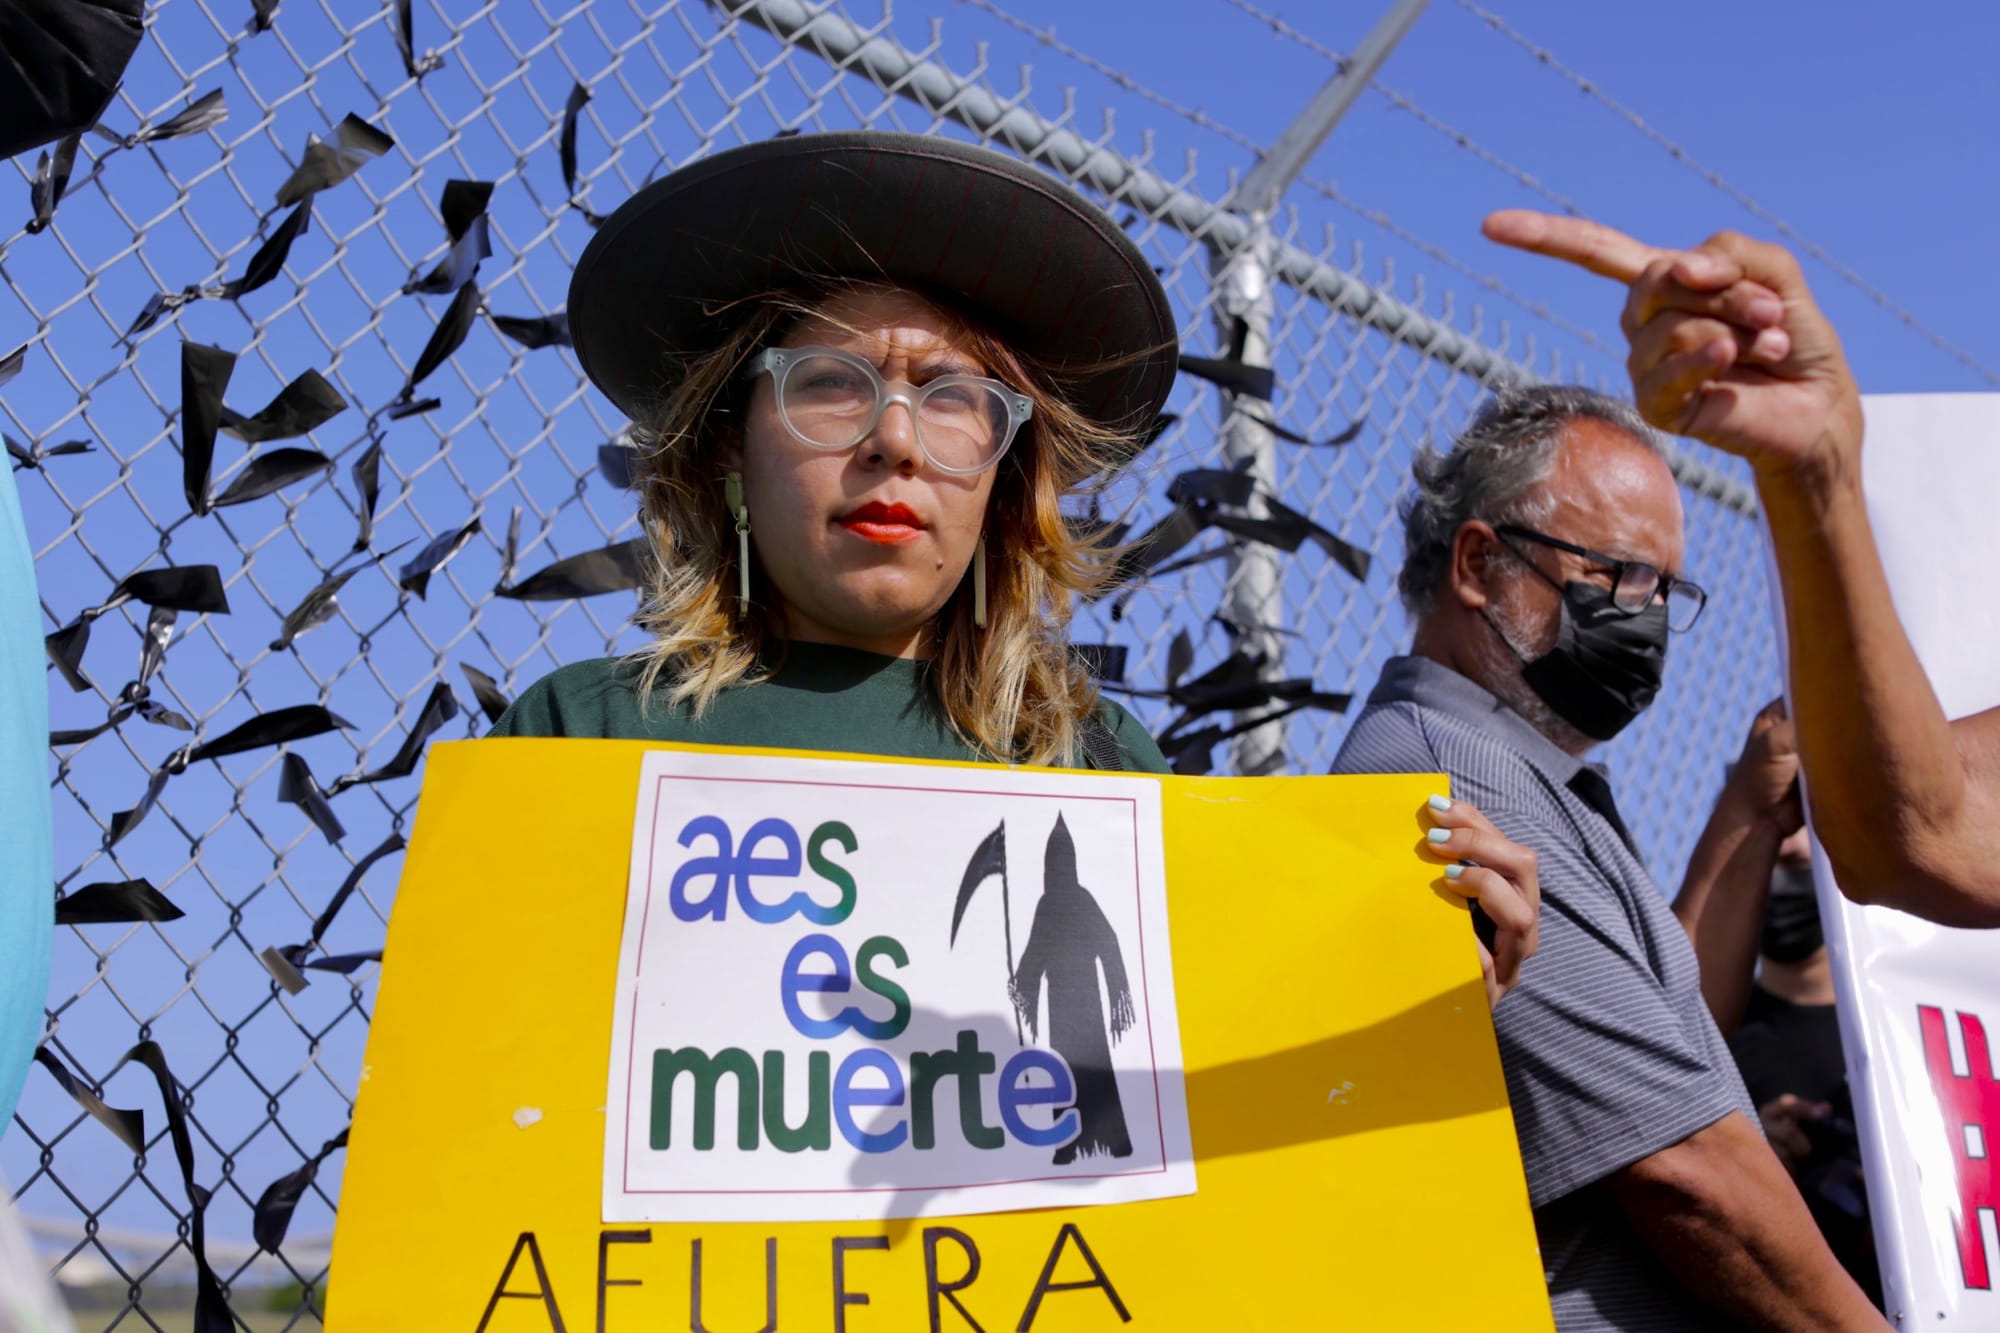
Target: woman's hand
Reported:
point(1483, 866)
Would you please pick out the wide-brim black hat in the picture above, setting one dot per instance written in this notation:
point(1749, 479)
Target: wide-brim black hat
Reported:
point(1020, 253)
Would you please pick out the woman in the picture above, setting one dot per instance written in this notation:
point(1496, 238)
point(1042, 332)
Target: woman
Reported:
point(866, 368)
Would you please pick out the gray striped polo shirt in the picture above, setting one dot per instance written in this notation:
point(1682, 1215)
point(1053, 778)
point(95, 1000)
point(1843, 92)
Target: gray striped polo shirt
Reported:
point(1609, 1052)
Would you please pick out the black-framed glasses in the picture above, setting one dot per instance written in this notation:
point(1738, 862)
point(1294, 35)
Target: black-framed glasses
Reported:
point(1635, 585)
point(830, 399)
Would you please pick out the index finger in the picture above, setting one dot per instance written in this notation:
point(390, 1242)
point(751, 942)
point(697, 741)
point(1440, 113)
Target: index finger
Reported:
point(1603, 250)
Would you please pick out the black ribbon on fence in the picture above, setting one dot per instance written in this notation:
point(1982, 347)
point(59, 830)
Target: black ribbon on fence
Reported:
point(192, 588)
point(579, 97)
point(439, 708)
point(267, 263)
point(276, 727)
point(315, 610)
point(463, 208)
point(205, 112)
point(1104, 661)
point(297, 722)
point(307, 402)
point(211, 1311)
point(1236, 684)
point(297, 786)
point(304, 403)
point(120, 903)
point(51, 179)
point(344, 963)
point(65, 59)
point(52, 174)
point(269, 473)
point(415, 577)
point(1206, 498)
point(283, 962)
point(319, 605)
point(618, 567)
point(446, 338)
point(486, 690)
point(30, 456)
point(327, 163)
point(1231, 374)
point(128, 1126)
point(272, 1216)
point(205, 373)
point(1348, 434)
point(1241, 380)
point(406, 45)
point(1192, 754)
point(367, 475)
point(537, 332)
point(65, 648)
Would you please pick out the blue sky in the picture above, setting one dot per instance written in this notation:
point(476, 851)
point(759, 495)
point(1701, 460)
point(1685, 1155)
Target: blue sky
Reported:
point(1872, 136)
point(1868, 128)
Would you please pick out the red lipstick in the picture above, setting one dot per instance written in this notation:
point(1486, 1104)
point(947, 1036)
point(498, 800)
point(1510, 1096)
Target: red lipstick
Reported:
point(883, 524)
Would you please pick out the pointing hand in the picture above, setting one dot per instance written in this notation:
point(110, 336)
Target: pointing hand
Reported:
point(1728, 345)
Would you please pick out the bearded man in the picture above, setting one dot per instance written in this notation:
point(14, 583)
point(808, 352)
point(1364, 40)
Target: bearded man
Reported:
point(1543, 572)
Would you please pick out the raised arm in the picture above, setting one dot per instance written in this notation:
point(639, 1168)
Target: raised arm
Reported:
point(1728, 346)
point(1723, 898)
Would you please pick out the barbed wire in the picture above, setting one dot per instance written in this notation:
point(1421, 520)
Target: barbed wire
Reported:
point(1325, 189)
point(1403, 102)
point(1591, 89)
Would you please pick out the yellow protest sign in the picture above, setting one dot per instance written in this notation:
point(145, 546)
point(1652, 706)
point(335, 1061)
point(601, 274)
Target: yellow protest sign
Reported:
point(813, 1044)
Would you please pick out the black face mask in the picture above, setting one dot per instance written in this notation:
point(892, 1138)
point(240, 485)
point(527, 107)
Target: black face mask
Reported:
point(1792, 931)
point(1606, 666)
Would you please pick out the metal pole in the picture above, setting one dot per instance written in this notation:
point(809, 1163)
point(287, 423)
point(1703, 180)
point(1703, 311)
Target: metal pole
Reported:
point(1267, 182)
point(1244, 300)
point(1255, 592)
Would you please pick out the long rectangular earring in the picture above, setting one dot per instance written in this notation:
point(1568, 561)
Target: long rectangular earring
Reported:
point(979, 583)
point(732, 495)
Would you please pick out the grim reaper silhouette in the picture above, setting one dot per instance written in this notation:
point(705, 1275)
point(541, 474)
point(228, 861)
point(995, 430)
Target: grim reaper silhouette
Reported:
point(1068, 942)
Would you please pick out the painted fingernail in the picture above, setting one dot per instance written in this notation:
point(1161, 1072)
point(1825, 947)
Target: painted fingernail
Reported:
point(1439, 835)
point(1764, 310)
point(1440, 803)
point(1453, 872)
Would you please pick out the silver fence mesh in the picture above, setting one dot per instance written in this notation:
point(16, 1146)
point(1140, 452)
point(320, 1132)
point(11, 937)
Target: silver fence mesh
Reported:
point(266, 1076)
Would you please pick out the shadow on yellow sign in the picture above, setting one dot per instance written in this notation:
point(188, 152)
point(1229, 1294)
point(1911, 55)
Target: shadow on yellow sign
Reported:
point(1356, 1163)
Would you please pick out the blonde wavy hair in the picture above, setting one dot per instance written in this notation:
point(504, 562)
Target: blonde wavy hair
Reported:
point(1013, 691)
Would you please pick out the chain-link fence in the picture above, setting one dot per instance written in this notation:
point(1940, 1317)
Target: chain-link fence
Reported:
point(370, 574)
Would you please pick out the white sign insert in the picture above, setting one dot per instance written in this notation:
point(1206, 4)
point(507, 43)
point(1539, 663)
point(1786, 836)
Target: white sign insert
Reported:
point(853, 990)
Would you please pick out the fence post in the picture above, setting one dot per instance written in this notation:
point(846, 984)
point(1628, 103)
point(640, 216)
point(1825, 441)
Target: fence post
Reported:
point(1245, 302)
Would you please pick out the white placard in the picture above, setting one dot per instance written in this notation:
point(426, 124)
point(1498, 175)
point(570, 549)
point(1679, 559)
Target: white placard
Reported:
point(1918, 1000)
point(815, 1012)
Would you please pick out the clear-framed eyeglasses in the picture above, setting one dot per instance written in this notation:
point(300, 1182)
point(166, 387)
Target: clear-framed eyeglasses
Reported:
point(831, 399)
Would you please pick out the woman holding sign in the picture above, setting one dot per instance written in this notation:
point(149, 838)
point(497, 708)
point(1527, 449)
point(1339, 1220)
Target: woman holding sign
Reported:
point(866, 369)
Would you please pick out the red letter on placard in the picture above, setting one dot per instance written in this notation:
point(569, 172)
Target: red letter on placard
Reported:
point(1969, 1100)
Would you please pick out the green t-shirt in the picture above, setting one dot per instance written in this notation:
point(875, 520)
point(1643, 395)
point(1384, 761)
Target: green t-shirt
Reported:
point(821, 698)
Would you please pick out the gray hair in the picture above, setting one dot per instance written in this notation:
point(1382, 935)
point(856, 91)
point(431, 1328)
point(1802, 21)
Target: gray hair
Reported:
point(1494, 472)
